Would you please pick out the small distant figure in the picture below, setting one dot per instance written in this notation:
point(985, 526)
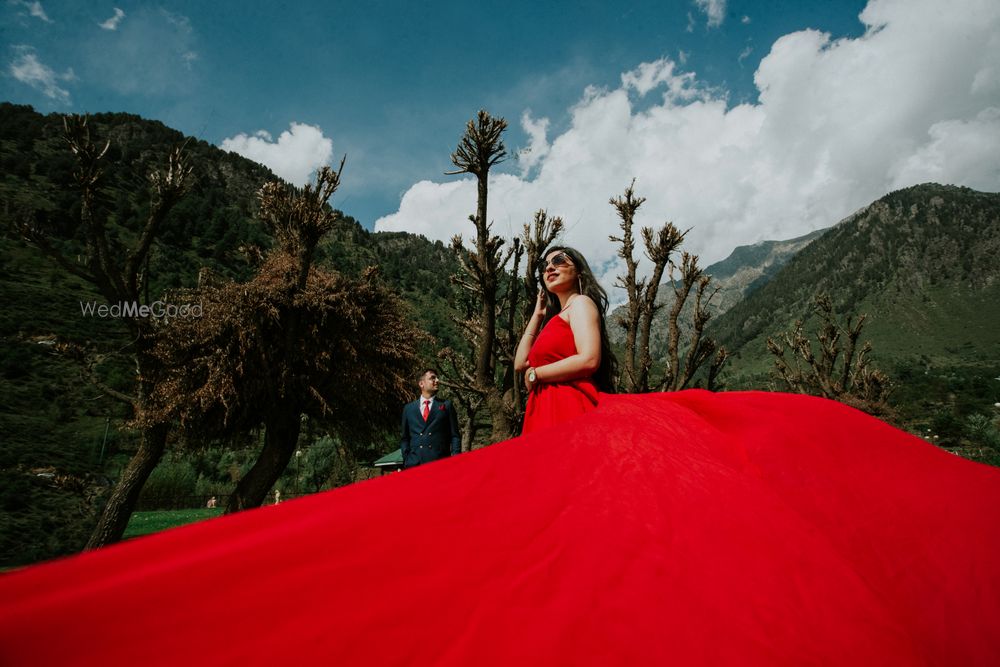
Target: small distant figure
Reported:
point(211, 503)
point(277, 496)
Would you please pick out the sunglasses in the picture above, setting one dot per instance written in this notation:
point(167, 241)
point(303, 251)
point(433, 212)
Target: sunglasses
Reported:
point(559, 260)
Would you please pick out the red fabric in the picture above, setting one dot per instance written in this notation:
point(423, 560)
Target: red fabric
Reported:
point(688, 528)
point(427, 409)
point(554, 403)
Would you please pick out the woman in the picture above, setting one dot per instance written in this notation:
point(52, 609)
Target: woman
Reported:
point(564, 352)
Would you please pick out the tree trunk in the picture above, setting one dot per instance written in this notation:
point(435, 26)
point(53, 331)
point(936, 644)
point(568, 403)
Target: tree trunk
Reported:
point(503, 427)
point(468, 432)
point(114, 519)
point(280, 438)
point(487, 341)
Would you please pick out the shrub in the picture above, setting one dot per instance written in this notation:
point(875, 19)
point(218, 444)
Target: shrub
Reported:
point(172, 484)
point(982, 430)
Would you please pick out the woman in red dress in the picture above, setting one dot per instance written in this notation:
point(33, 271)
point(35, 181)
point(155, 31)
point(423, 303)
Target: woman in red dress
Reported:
point(564, 352)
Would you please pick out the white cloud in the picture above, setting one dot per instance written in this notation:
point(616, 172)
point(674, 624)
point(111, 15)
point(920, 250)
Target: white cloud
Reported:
point(538, 147)
point(956, 151)
point(745, 20)
point(715, 10)
point(34, 8)
point(295, 156)
point(648, 76)
point(838, 124)
point(112, 23)
point(28, 69)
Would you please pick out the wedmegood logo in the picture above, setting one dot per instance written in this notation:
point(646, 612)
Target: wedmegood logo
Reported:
point(134, 309)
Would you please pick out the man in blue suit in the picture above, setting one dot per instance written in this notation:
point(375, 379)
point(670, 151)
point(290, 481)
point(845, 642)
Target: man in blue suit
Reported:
point(430, 425)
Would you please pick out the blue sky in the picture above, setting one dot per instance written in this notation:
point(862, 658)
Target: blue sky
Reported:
point(667, 92)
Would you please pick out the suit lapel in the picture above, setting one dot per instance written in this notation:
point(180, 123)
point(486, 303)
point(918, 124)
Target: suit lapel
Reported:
point(436, 406)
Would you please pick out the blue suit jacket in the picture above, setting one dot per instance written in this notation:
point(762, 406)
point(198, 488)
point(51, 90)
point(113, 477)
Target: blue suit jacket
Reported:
point(438, 437)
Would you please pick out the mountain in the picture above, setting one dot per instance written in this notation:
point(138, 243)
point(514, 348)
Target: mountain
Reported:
point(924, 264)
point(750, 267)
point(746, 269)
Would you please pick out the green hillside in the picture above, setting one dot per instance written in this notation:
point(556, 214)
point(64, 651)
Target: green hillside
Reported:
point(924, 264)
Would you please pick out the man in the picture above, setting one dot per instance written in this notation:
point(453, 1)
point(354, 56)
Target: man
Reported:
point(430, 425)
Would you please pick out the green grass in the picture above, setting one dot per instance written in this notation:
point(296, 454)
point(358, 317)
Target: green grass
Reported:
point(146, 523)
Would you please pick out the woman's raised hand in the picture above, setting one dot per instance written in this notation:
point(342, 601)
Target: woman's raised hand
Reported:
point(541, 304)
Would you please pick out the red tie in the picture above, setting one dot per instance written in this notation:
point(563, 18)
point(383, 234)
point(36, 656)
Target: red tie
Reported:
point(427, 408)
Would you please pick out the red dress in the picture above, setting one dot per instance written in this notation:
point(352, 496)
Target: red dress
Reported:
point(685, 528)
point(553, 403)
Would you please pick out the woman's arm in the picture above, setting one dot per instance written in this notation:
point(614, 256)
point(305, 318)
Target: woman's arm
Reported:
point(585, 321)
point(530, 333)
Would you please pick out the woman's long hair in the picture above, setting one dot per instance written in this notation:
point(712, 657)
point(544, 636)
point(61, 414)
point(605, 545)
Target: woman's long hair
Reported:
point(604, 377)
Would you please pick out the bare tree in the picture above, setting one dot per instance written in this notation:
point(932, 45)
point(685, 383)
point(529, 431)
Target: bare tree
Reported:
point(459, 368)
point(700, 349)
point(295, 340)
point(459, 378)
point(298, 221)
point(501, 395)
point(119, 274)
point(642, 307)
point(483, 269)
point(479, 150)
point(839, 370)
point(508, 335)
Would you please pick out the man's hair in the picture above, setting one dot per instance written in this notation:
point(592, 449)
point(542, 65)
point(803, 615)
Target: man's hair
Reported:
point(425, 371)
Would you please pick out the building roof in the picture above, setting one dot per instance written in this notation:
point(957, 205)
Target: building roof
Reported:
point(393, 459)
